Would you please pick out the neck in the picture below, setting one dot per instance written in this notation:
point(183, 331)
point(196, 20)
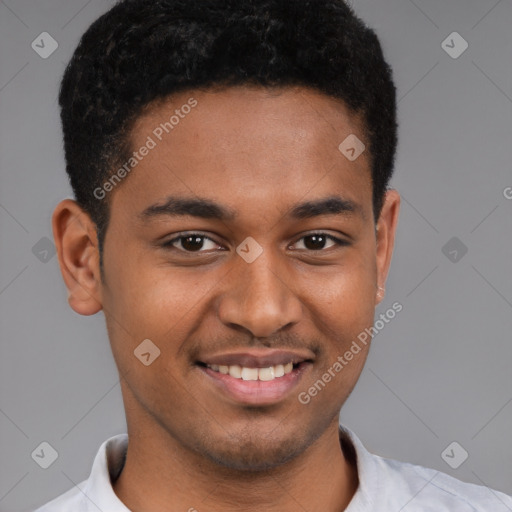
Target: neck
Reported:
point(159, 475)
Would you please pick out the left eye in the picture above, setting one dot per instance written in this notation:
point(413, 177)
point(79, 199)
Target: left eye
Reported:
point(317, 241)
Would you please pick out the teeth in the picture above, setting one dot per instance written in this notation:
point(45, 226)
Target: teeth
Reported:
point(266, 373)
point(244, 373)
point(279, 370)
point(249, 373)
point(235, 371)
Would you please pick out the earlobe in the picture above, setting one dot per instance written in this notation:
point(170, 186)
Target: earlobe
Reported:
point(381, 292)
point(77, 249)
point(385, 238)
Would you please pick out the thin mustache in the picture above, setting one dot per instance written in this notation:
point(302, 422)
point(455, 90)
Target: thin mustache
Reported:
point(237, 344)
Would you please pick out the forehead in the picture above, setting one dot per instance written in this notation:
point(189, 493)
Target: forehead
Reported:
point(257, 144)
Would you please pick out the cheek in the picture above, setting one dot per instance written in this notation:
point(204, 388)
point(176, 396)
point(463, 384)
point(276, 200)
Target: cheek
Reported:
point(343, 310)
point(346, 294)
point(143, 290)
point(343, 313)
point(155, 302)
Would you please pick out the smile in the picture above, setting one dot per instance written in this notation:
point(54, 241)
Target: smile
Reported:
point(255, 377)
point(264, 374)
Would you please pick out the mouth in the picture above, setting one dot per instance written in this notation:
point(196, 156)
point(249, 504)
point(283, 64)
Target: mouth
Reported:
point(257, 378)
point(246, 373)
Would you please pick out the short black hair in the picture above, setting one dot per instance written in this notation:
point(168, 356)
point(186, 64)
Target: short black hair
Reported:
point(142, 51)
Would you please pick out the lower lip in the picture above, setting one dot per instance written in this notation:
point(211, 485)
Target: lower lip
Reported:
point(257, 392)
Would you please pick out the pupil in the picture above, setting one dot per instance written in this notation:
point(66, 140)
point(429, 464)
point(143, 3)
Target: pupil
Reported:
point(318, 242)
point(189, 241)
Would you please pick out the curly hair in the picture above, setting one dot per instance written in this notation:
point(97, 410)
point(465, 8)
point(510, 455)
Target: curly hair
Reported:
point(142, 51)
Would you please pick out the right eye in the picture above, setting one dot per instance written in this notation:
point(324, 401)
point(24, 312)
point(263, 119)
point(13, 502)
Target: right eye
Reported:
point(190, 243)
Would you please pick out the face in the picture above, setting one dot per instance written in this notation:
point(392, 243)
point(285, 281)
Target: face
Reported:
point(243, 245)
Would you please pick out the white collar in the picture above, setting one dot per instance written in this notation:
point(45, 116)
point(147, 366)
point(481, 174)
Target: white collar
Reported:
point(110, 458)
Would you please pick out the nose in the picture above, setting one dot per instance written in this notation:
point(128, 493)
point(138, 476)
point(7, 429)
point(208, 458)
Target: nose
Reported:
point(260, 298)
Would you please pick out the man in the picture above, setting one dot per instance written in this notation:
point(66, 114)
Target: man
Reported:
point(230, 162)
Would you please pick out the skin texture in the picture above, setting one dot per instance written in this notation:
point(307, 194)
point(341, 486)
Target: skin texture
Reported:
point(258, 152)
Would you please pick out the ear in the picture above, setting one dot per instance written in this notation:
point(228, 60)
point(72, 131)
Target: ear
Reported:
point(77, 249)
point(385, 236)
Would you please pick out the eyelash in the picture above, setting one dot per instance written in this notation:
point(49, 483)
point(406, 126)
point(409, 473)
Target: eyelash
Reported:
point(169, 244)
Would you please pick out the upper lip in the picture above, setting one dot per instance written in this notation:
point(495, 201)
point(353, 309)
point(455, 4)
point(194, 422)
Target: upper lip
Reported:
point(259, 358)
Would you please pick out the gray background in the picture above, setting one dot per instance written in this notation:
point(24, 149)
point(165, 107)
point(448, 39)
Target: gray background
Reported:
point(439, 372)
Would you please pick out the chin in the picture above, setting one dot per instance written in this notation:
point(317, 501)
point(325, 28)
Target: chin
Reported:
point(254, 449)
point(254, 455)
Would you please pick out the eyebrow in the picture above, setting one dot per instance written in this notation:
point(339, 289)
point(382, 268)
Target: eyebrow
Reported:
point(208, 209)
point(329, 206)
point(194, 207)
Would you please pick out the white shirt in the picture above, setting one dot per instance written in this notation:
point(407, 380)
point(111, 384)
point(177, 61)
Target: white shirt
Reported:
point(385, 485)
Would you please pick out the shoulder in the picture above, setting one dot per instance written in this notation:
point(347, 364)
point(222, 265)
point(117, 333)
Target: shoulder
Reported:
point(391, 485)
point(70, 501)
point(426, 489)
point(95, 493)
